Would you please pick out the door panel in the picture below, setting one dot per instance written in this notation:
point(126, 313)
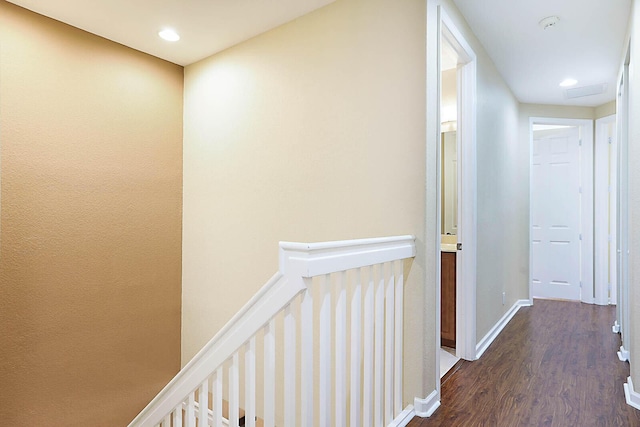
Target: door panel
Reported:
point(555, 214)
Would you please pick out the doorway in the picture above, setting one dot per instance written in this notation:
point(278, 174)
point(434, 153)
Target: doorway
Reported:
point(561, 220)
point(450, 60)
point(455, 133)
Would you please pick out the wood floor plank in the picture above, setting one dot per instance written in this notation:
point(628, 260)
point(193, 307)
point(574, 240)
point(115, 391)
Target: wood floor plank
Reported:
point(554, 364)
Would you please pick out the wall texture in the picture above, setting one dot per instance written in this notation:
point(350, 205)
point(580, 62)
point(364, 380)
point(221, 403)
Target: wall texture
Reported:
point(90, 264)
point(311, 132)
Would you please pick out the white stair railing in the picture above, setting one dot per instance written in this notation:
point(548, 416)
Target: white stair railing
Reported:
point(319, 344)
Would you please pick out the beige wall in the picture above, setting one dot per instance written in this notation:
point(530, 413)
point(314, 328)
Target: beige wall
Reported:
point(553, 111)
point(311, 132)
point(605, 110)
point(449, 95)
point(90, 262)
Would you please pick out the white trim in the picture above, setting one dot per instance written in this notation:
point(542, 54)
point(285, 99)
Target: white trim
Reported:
point(304, 260)
point(404, 417)
point(615, 328)
point(498, 327)
point(622, 204)
point(631, 396)
point(623, 354)
point(298, 262)
point(613, 217)
point(604, 241)
point(586, 203)
point(586, 211)
point(427, 406)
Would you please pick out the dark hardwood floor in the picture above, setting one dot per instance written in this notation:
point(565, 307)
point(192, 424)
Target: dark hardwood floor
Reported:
point(554, 364)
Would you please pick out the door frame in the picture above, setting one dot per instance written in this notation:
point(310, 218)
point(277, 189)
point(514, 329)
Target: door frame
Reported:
point(622, 231)
point(467, 187)
point(605, 170)
point(586, 201)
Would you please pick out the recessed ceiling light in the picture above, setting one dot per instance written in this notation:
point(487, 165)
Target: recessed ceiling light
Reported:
point(169, 35)
point(568, 82)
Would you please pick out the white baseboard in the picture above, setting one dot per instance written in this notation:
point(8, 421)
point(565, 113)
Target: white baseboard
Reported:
point(404, 417)
point(623, 354)
point(485, 342)
point(632, 396)
point(427, 406)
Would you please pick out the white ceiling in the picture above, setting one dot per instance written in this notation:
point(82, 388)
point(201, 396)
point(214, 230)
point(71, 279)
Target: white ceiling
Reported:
point(586, 44)
point(205, 26)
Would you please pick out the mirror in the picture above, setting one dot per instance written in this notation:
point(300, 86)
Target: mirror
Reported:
point(448, 152)
point(449, 183)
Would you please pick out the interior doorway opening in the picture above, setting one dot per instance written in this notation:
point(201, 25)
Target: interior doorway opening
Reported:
point(561, 220)
point(456, 133)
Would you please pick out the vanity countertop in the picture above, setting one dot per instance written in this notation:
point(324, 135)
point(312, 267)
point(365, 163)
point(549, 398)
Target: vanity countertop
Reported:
point(448, 247)
point(448, 243)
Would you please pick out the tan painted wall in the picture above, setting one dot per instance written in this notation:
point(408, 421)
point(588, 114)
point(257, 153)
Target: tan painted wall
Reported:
point(449, 94)
point(311, 132)
point(553, 111)
point(605, 110)
point(90, 264)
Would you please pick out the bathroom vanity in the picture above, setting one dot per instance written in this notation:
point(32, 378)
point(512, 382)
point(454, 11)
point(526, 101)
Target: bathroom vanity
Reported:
point(448, 292)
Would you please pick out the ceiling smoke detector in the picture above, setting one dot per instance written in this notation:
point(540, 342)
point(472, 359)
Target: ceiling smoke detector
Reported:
point(548, 22)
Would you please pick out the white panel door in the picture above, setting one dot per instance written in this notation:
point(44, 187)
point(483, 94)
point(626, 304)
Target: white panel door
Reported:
point(555, 211)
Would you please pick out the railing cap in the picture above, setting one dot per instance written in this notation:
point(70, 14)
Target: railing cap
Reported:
point(310, 247)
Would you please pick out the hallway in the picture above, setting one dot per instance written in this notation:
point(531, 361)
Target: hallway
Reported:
point(554, 364)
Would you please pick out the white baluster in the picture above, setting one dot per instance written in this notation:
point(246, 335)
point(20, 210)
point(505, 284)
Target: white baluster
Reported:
point(306, 357)
point(397, 392)
point(356, 350)
point(388, 348)
point(177, 416)
point(367, 403)
point(203, 402)
point(325, 353)
point(167, 421)
point(289, 367)
point(234, 391)
point(250, 383)
point(269, 374)
point(378, 369)
point(191, 414)
point(217, 398)
point(341, 353)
